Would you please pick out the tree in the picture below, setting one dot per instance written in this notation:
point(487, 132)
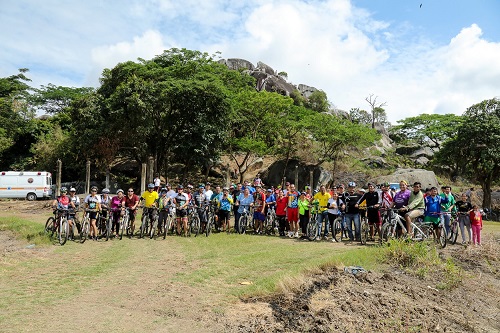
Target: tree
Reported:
point(334, 135)
point(254, 122)
point(426, 129)
point(376, 109)
point(476, 144)
point(358, 116)
point(318, 101)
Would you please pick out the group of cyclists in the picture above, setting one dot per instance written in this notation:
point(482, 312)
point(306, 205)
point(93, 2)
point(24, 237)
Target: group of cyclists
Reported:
point(291, 210)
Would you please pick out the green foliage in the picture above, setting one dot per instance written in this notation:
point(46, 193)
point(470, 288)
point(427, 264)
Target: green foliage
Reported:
point(475, 147)
point(426, 129)
point(25, 230)
point(334, 135)
point(55, 99)
point(318, 101)
point(360, 116)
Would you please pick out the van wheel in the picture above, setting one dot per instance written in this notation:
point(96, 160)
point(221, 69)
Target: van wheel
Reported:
point(31, 196)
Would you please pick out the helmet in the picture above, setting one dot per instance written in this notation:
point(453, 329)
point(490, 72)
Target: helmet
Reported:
point(150, 185)
point(180, 187)
point(118, 191)
point(164, 190)
point(190, 186)
point(201, 186)
point(72, 189)
point(105, 191)
point(352, 184)
point(93, 188)
point(64, 189)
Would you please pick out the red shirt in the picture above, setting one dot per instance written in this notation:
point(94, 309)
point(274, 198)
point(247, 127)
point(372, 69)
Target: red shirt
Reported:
point(281, 205)
point(130, 202)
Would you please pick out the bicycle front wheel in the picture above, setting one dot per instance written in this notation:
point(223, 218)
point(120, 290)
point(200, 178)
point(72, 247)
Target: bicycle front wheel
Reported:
point(311, 229)
point(242, 225)
point(144, 226)
point(365, 230)
point(195, 225)
point(453, 232)
point(442, 237)
point(154, 226)
point(63, 231)
point(49, 227)
point(337, 229)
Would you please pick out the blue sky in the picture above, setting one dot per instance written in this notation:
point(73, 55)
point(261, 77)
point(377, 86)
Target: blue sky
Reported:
point(439, 58)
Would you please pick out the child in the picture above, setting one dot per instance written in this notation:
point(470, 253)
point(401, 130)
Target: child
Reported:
point(476, 220)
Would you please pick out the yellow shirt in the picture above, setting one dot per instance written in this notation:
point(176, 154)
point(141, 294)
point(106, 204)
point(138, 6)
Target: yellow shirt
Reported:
point(150, 198)
point(323, 200)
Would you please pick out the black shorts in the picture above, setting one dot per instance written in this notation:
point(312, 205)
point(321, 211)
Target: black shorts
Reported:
point(182, 212)
point(223, 215)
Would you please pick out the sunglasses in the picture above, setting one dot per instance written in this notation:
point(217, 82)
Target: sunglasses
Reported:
point(130, 191)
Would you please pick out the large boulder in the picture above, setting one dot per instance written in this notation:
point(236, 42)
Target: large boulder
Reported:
point(236, 64)
point(427, 178)
point(274, 174)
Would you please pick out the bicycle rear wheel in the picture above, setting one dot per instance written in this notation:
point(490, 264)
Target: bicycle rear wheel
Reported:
point(63, 230)
point(337, 229)
point(85, 230)
point(387, 233)
point(154, 226)
point(442, 237)
point(144, 226)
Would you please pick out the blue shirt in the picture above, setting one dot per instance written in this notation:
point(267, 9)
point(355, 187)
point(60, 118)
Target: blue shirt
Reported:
point(244, 202)
point(225, 204)
point(433, 205)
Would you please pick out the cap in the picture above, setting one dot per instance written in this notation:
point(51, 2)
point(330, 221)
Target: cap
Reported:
point(72, 189)
point(201, 186)
point(232, 186)
point(303, 193)
point(362, 190)
point(340, 186)
point(287, 183)
point(190, 186)
point(180, 187)
point(208, 183)
point(163, 190)
point(269, 190)
point(386, 184)
point(225, 189)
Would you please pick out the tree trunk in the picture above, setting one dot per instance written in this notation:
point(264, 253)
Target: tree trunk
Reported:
point(486, 186)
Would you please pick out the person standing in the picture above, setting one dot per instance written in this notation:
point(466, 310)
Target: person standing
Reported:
point(476, 218)
point(373, 202)
point(293, 212)
point(157, 183)
point(303, 213)
point(447, 208)
point(335, 207)
point(281, 208)
point(351, 198)
point(464, 208)
point(131, 202)
point(322, 198)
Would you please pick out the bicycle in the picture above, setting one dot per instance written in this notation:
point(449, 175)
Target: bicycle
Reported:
point(194, 223)
point(313, 225)
point(270, 226)
point(454, 227)
point(105, 225)
point(146, 222)
point(170, 222)
point(58, 224)
point(429, 231)
point(338, 228)
point(244, 218)
point(84, 234)
point(365, 228)
point(125, 223)
point(395, 226)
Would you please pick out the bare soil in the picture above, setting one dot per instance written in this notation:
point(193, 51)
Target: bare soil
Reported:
point(145, 294)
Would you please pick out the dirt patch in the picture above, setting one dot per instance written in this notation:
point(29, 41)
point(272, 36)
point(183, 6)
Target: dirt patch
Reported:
point(391, 301)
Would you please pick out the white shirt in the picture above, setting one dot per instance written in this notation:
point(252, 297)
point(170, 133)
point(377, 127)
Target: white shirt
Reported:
point(157, 182)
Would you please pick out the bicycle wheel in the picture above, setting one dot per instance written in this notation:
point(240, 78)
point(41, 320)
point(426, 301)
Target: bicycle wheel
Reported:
point(387, 233)
point(144, 226)
point(337, 229)
point(63, 230)
point(49, 227)
point(312, 228)
point(195, 225)
point(453, 232)
point(365, 230)
point(442, 237)
point(418, 233)
point(242, 224)
point(167, 226)
point(85, 230)
point(108, 221)
point(154, 226)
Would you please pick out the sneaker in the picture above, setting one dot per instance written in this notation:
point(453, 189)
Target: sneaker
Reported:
point(296, 235)
point(317, 238)
point(334, 240)
point(325, 238)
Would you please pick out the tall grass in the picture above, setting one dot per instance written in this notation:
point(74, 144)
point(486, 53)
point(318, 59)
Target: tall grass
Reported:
point(25, 229)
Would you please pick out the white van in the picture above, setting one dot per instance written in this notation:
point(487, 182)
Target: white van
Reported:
point(25, 184)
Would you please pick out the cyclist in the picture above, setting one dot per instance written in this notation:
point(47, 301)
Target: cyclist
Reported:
point(200, 200)
point(149, 196)
point(335, 208)
point(208, 192)
point(131, 202)
point(72, 211)
point(93, 203)
point(188, 192)
point(259, 199)
point(163, 204)
point(447, 208)
point(351, 198)
point(244, 201)
point(292, 211)
point(433, 204)
point(415, 206)
point(373, 202)
point(116, 206)
point(225, 201)
point(402, 196)
point(105, 205)
point(322, 198)
point(181, 202)
point(281, 206)
point(236, 193)
point(170, 192)
point(63, 201)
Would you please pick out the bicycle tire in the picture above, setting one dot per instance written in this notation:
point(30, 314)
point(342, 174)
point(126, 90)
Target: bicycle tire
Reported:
point(143, 228)
point(312, 228)
point(122, 226)
point(269, 225)
point(108, 228)
point(49, 227)
point(418, 233)
point(453, 232)
point(154, 226)
point(195, 225)
point(337, 229)
point(242, 224)
point(387, 232)
point(365, 229)
point(85, 230)
point(442, 238)
point(63, 230)
point(167, 226)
